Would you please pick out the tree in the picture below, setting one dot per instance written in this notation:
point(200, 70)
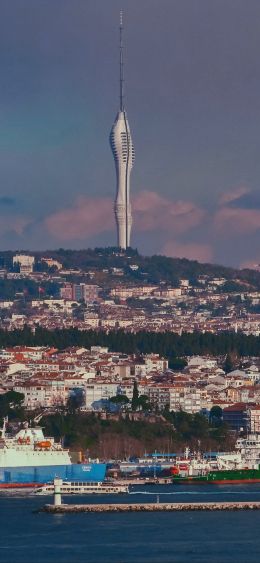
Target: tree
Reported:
point(135, 396)
point(143, 403)
point(182, 423)
point(11, 405)
point(75, 401)
point(177, 364)
point(215, 415)
point(230, 362)
point(119, 399)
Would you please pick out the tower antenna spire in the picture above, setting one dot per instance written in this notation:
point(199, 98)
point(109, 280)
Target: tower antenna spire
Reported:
point(121, 62)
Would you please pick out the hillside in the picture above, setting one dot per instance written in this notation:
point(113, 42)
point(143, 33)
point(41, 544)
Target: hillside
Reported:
point(120, 438)
point(151, 269)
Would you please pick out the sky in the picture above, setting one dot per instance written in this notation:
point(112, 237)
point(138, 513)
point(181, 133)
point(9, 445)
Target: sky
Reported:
point(192, 70)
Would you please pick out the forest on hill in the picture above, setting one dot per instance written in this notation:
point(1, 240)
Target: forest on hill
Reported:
point(153, 269)
point(167, 344)
point(123, 438)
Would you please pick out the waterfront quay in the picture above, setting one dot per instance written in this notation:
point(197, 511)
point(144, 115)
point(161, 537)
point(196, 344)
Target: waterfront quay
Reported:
point(149, 507)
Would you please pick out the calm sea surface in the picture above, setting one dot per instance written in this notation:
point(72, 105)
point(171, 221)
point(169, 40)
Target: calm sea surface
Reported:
point(214, 537)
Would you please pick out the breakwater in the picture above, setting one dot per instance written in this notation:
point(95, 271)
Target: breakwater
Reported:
point(150, 507)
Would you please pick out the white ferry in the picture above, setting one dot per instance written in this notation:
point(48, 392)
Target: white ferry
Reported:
point(82, 488)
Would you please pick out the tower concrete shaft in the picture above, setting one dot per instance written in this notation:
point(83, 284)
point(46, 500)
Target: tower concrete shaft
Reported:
point(123, 152)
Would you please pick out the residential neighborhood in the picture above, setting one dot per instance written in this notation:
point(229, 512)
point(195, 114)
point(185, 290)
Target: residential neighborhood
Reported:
point(103, 381)
point(40, 291)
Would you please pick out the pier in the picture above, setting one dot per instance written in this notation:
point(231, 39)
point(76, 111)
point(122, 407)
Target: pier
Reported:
point(59, 508)
point(150, 507)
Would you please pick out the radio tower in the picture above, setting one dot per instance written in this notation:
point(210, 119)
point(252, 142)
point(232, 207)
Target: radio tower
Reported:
point(123, 151)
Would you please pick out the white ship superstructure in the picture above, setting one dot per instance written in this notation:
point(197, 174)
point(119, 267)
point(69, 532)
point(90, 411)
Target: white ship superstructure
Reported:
point(29, 448)
point(249, 448)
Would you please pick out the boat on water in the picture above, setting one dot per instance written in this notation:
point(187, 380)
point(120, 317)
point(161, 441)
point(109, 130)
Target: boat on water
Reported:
point(29, 459)
point(82, 488)
point(221, 477)
point(239, 467)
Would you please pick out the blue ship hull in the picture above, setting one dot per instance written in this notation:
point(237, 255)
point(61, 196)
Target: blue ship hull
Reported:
point(15, 476)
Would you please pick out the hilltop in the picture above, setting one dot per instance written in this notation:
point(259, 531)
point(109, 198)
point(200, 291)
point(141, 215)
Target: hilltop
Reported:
point(141, 269)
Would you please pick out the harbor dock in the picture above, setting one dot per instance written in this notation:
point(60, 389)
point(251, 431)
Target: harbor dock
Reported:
point(59, 508)
point(149, 507)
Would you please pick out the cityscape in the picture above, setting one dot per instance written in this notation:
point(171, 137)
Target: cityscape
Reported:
point(130, 282)
point(114, 292)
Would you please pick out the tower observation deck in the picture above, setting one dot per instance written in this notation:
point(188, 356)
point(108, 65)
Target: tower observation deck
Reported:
point(123, 152)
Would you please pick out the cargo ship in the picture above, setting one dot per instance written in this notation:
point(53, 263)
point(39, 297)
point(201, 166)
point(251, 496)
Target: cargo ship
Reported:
point(239, 467)
point(220, 477)
point(29, 459)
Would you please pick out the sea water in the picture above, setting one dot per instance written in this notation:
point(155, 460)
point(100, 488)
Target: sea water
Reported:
point(181, 537)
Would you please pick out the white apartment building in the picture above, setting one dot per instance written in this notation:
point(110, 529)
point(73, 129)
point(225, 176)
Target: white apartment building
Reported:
point(159, 396)
point(97, 393)
point(253, 414)
point(151, 362)
point(43, 394)
point(25, 262)
point(188, 400)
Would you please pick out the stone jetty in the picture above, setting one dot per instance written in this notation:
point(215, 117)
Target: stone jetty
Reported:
point(149, 507)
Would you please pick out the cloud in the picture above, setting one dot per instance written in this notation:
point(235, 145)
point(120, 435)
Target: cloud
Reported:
point(88, 217)
point(193, 251)
point(92, 216)
point(158, 215)
point(238, 212)
point(14, 223)
point(251, 264)
point(237, 220)
point(153, 211)
point(233, 195)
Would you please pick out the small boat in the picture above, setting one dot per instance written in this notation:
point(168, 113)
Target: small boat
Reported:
point(83, 488)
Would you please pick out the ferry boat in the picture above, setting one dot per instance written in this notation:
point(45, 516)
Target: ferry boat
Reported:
point(30, 459)
point(82, 488)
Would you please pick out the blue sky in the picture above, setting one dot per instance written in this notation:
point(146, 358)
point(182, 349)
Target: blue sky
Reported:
point(193, 102)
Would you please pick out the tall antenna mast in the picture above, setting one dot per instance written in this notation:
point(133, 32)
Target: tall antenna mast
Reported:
point(121, 63)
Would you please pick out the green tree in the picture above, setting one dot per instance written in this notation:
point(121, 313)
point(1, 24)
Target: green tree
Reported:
point(230, 362)
point(75, 401)
point(143, 403)
point(120, 399)
point(135, 396)
point(215, 415)
point(177, 364)
point(11, 405)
